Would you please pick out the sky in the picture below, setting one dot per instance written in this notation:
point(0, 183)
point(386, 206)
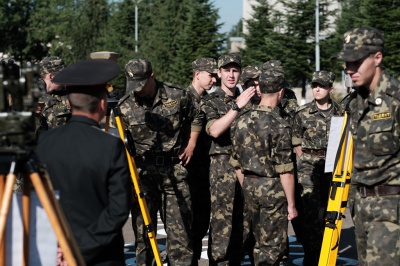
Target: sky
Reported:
point(230, 12)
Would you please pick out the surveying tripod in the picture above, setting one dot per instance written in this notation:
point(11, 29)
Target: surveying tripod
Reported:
point(130, 153)
point(338, 196)
point(24, 163)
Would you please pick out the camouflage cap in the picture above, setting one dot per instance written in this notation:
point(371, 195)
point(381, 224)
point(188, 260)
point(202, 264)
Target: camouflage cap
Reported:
point(51, 65)
point(275, 65)
point(223, 60)
point(205, 64)
point(271, 81)
point(325, 78)
point(360, 42)
point(250, 72)
point(137, 71)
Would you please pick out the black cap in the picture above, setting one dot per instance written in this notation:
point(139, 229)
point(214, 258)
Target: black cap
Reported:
point(88, 73)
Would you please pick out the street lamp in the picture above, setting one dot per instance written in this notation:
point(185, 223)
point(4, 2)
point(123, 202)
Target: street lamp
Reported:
point(136, 24)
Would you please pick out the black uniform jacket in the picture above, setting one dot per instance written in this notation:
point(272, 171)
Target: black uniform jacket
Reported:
point(90, 170)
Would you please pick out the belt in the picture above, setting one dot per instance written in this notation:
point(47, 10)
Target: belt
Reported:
point(382, 190)
point(317, 152)
point(158, 160)
point(221, 156)
point(252, 176)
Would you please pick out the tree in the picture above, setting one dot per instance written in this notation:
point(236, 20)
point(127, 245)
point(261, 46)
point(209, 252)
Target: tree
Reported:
point(199, 37)
point(14, 16)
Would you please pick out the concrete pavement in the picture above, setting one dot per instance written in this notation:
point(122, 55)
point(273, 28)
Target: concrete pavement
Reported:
point(347, 254)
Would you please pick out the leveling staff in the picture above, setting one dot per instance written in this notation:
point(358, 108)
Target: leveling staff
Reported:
point(88, 166)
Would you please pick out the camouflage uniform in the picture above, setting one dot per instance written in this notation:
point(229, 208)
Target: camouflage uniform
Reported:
point(261, 147)
point(198, 170)
point(226, 225)
point(311, 131)
point(157, 127)
point(376, 173)
point(55, 111)
point(287, 109)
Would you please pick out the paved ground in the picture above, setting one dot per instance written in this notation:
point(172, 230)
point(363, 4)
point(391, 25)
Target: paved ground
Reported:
point(347, 254)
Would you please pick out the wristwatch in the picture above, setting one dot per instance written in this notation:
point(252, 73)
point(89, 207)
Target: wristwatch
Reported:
point(235, 107)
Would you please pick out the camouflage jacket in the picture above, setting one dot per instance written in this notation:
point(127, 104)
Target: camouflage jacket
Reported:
point(203, 142)
point(215, 105)
point(261, 142)
point(311, 125)
point(288, 106)
point(376, 132)
point(55, 111)
point(159, 126)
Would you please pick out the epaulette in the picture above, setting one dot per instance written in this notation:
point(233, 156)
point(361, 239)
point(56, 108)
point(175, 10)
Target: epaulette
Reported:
point(210, 96)
point(173, 85)
point(123, 98)
point(393, 88)
point(302, 107)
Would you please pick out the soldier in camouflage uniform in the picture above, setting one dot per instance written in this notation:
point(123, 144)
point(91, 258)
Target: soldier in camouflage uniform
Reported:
point(204, 76)
point(156, 114)
point(310, 138)
point(221, 108)
point(374, 108)
point(261, 155)
point(53, 110)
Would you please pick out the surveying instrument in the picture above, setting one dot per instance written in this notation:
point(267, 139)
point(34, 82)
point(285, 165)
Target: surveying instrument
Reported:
point(338, 196)
point(18, 98)
point(126, 137)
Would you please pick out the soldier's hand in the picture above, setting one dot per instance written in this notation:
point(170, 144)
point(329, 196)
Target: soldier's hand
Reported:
point(292, 213)
point(245, 97)
point(186, 155)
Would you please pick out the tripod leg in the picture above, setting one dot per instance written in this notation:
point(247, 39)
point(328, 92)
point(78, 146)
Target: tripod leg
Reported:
point(53, 218)
point(2, 243)
point(26, 198)
point(6, 201)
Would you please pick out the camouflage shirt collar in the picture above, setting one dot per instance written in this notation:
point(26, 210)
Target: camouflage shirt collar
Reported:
point(194, 93)
point(313, 107)
point(382, 87)
point(264, 108)
point(225, 97)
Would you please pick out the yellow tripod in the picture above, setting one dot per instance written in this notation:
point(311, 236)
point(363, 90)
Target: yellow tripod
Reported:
point(142, 201)
point(338, 196)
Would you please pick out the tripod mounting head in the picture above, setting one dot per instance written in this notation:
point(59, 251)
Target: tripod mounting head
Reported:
point(19, 92)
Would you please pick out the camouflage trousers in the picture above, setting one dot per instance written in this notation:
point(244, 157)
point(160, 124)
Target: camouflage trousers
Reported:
point(377, 229)
point(199, 185)
point(165, 190)
point(226, 226)
point(266, 202)
point(315, 190)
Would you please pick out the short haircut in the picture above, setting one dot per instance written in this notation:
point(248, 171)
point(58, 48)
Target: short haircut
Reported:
point(85, 99)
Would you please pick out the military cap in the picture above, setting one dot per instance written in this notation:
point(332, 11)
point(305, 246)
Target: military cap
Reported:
point(137, 71)
point(105, 55)
point(88, 73)
point(271, 81)
point(205, 64)
point(51, 65)
point(360, 42)
point(250, 72)
point(272, 65)
point(325, 78)
point(223, 60)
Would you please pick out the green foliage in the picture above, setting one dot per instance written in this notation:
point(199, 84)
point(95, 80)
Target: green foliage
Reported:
point(173, 33)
